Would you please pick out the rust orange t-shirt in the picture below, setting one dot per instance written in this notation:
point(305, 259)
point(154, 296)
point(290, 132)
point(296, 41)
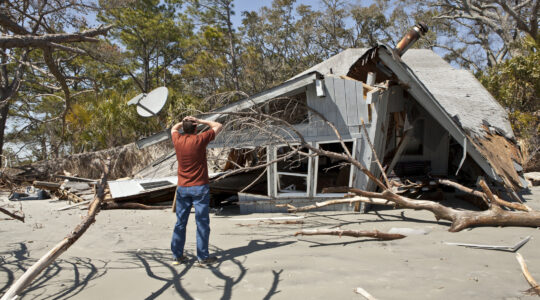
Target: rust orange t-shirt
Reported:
point(191, 156)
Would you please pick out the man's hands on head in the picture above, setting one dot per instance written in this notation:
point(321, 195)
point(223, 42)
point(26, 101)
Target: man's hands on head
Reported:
point(214, 125)
point(178, 125)
point(192, 119)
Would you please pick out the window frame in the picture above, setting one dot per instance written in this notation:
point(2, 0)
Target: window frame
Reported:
point(316, 167)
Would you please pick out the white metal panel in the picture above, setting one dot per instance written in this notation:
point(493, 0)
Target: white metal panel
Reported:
point(124, 188)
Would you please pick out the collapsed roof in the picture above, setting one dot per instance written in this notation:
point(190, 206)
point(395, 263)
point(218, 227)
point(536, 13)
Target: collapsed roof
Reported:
point(460, 94)
point(454, 97)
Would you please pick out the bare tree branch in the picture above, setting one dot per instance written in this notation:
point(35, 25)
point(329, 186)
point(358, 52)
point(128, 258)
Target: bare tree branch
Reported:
point(43, 41)
point(354, 233)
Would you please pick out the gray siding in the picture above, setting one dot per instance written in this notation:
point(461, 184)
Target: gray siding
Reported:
point(345, 105)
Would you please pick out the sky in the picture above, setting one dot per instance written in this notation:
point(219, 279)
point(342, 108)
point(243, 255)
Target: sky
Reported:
point(255, 5)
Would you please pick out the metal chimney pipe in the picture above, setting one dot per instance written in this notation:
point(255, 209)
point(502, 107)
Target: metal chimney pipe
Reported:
point(411, 37)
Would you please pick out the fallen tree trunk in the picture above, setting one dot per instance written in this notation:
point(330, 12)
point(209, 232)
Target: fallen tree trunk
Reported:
point(495, 216)
point(31, 273)
point(130, 205)
point(354, 233)
point(460, 219)
point(12, 215)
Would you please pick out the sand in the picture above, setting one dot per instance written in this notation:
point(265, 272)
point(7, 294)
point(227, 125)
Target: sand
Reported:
point(125, 255)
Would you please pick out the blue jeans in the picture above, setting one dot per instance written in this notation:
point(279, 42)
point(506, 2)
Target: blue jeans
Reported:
point(186, 197)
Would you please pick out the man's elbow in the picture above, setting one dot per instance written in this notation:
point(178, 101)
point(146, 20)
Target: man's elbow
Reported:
point(218, 128)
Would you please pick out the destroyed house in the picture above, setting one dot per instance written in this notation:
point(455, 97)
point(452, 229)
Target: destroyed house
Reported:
point(422, 116)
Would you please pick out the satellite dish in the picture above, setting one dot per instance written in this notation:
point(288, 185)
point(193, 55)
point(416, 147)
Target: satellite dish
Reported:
point(150, 104)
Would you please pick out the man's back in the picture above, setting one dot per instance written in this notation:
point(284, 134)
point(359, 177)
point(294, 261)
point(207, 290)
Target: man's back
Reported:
point(191, 156)
point(193, 189)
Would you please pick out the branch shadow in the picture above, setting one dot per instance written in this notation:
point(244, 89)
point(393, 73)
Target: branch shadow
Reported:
point(273, 289)
point(18, 260)
point(153, 259)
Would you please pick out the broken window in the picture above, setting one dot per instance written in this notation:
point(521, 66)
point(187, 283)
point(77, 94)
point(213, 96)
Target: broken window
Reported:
point(292, 172)
point(332, 172)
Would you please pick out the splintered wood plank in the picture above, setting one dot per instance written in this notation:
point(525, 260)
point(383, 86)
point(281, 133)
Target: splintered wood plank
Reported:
point(350, 100)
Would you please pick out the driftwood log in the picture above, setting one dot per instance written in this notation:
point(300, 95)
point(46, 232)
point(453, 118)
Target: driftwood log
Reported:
point(354, 233)
point(535, 288)
point(12, 214)
point(31, 273)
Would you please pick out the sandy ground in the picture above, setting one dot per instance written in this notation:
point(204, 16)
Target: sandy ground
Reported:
point(125, 255)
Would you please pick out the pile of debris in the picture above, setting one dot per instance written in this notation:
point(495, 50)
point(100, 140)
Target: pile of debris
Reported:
point(75, 190)
point(79, 192)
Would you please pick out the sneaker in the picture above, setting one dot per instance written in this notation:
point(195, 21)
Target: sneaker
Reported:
point(181, 260)
point(207, 262)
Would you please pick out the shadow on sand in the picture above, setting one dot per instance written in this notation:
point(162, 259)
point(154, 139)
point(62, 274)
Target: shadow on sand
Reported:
point(155, 260)
point(17, 261)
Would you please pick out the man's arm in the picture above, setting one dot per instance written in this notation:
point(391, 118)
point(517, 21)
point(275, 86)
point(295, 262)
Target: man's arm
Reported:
point(214, 125)
point(176, 127)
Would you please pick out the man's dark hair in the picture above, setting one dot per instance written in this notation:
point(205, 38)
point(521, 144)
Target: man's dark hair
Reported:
point(189, 126)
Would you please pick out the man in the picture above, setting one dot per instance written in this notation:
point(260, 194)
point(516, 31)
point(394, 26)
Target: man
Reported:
point(192, 187)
